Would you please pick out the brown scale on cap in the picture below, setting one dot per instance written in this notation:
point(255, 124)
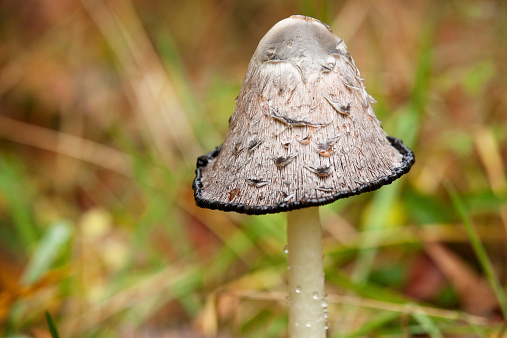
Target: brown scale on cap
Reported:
point(301, 86)
point(326, 149)
point(282, 161)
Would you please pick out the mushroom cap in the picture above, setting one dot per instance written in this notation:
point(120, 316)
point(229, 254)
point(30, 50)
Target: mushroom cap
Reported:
point(303, 132)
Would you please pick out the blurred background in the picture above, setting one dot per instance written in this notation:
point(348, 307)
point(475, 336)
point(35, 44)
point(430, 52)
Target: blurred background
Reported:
point(105, 106)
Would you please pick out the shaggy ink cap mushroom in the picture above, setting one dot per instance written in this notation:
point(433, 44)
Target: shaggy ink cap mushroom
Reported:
point(303, 132)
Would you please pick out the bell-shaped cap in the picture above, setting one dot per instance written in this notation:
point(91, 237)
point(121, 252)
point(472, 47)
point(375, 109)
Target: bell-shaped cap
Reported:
point(303, 132)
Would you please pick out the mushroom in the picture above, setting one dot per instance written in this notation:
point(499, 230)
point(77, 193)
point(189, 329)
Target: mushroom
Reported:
point(300, 75)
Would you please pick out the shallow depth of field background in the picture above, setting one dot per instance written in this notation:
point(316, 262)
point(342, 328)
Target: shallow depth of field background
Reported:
point(105, 106)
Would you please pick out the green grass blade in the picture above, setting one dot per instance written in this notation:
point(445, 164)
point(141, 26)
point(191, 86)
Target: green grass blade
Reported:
point(50, 246)
point(374, 323)
point(51, 325)
point(17, 202)
point(428, 325)
point(376, 220)
point(478, 248)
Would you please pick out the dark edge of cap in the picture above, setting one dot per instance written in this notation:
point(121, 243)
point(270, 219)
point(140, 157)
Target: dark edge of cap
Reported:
point(407, 161)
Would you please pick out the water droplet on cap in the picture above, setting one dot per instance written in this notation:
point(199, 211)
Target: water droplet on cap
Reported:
point(299, 289)
point(286, 249)
point(315, 295)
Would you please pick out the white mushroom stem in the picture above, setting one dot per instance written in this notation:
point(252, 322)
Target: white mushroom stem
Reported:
point(307, 300)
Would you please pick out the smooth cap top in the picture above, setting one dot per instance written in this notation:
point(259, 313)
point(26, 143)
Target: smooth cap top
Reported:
point(303, 132)
point(305, 42)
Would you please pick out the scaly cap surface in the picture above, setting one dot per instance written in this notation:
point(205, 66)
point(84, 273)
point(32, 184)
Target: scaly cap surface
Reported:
point(303, 132)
